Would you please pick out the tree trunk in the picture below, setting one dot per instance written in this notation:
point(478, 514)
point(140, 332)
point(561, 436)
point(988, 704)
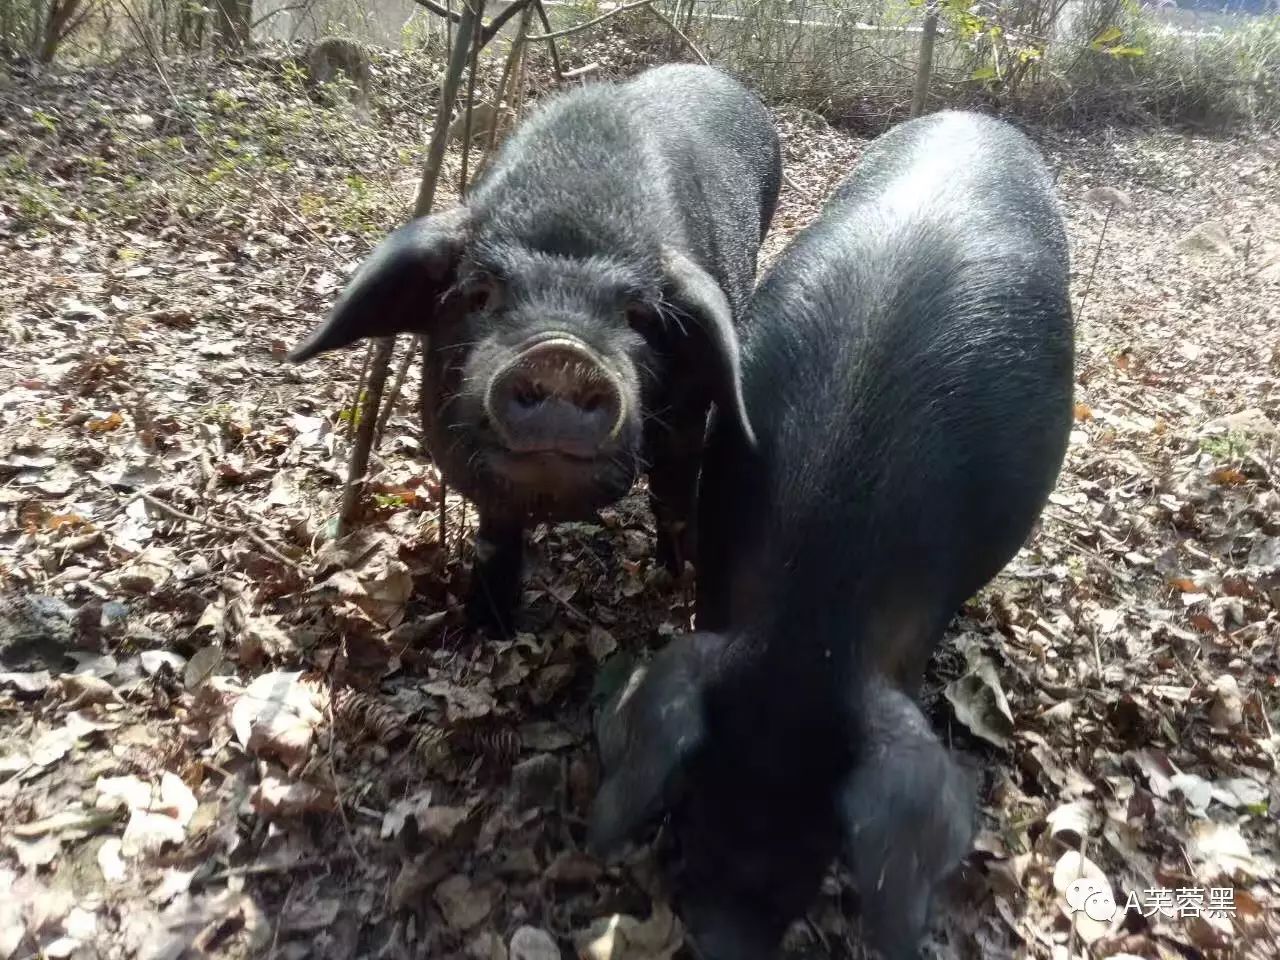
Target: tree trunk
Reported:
point(57, 25)
point(924, 65)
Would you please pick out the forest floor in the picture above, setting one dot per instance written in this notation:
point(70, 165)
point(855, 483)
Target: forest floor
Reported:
point(223, 733)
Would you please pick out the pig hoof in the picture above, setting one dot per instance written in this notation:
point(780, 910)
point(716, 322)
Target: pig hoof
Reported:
point(489, 615)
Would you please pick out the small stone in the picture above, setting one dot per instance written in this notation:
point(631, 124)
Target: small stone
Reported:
point(1209, 238)
point(530, 943)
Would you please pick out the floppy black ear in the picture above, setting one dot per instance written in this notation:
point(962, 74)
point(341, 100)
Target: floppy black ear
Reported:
point(647, 734)
point(696, 295)
point(908, 812)
point(397, 288)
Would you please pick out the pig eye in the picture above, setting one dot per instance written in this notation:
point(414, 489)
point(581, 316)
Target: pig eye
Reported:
point(482, 292)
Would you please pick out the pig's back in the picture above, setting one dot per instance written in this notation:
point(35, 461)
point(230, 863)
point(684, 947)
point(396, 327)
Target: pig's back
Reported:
point(907, 368)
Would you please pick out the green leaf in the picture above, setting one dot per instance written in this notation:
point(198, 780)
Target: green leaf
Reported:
point(983, 73)
point(1126, 51)
point(1109, 35)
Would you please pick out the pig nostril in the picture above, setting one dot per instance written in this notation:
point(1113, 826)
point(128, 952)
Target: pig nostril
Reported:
point(528, 394)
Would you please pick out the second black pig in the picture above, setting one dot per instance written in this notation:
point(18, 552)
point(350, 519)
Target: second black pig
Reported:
point(579, 308)
point(907, 368)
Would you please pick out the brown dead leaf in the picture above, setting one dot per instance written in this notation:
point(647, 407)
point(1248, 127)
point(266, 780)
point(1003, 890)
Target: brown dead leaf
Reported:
point(84, 690)
point(1228, 477)
point(277, 798)
point(980, 704)
point(439, 823)
point(621, 937)
point(573, 867)
point(462, 904)
point(107, 424)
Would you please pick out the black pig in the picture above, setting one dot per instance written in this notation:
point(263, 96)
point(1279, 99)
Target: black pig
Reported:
point(907, 368)
point(579, 308)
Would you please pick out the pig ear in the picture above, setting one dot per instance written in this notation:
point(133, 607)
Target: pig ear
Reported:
point(397, 288)
point(697, 296)
point(908, 814)
point(647, 734)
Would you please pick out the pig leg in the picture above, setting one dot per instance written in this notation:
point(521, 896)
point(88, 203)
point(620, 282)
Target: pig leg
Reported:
point(495, 578)
point(908, 812)
point(673, 485)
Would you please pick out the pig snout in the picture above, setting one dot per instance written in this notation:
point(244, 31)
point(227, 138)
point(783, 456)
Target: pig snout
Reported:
point(556, 396)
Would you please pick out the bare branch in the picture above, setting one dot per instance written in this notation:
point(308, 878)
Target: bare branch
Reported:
point(272, 14)
point(551, 44)
point(471, 99)
point(689, 44)
point(380, 364)
point(448, 94)
point(177, 514)
point(490, 30)
point(359, 461)
point(438, 10)
point(580, 71)
point(393, 395)
point(501, 19)
point(591, 23)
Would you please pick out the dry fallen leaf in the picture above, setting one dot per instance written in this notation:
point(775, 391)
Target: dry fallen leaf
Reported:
point(1219, 849)
point(621, 937)
point(1227, 708)
point(278, 714)
point(110, 862)
point(980, 704)
point(36, 681)
point(274, 797)
point(158, 814)
point(1071, 822)
point(400, 811)
point(462, 904)
point(37, 853)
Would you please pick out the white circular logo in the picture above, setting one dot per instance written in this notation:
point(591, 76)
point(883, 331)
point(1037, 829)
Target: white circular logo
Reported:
point(1093, 897)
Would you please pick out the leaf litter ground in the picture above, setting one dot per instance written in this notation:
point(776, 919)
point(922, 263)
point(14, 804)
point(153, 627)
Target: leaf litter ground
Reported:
point(225, 733)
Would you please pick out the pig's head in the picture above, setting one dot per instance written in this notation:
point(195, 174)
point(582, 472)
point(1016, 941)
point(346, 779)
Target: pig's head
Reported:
point(542, 370)
point(755, 834)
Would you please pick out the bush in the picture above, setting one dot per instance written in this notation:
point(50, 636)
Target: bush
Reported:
point(1216, 76)
point(855, 60)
